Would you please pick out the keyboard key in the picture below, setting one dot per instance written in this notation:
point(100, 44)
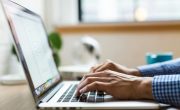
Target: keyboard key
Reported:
point(66, 100)
point(93, 93)
point(94, 96)
point(83, 98)
point(100, 93)
point(99, 99)
point(69, 96)
point(91, 98)
point(64, 94)
point(74, 100)
point(60, 100)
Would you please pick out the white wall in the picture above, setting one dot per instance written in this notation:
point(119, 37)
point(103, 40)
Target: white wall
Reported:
point(67, 11)
point(127, 48)
point(60, 13)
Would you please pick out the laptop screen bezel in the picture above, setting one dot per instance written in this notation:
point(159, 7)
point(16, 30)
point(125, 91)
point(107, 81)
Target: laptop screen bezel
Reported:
point(18, 7)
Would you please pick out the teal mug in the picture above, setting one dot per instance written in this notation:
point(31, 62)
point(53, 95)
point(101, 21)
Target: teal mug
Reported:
point(152, 58)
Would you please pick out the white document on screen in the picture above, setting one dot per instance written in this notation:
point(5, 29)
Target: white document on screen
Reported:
point(37, 53)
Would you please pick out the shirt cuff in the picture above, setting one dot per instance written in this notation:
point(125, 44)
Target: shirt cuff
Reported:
point(164, 68)
point(166, 89)
point(151, 70)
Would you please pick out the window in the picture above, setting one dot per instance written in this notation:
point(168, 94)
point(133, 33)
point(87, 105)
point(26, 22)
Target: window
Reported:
point(92, 11)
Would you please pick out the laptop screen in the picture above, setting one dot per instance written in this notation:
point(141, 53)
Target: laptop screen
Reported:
point(37, 53)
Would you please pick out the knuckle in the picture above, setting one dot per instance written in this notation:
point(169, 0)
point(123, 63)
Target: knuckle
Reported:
point(86, 76)
point(109, 65)
point(107, 72)
point(89, 79)
point(109, 62)
point(114, 82)
point(96, 84)
point(113, 75)
point(111, 79)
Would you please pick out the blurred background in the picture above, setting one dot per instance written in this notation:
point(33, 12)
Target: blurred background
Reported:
point(129, 32)
point(125, 29)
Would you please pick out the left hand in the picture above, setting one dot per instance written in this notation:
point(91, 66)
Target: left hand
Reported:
point(119, 85)
point(110, 65)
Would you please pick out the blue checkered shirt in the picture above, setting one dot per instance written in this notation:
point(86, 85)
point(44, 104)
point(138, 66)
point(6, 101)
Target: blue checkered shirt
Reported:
point(166, 81)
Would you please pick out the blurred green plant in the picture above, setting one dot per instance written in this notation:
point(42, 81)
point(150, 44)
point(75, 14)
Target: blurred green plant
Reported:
point(55, 41)
point(13, 50)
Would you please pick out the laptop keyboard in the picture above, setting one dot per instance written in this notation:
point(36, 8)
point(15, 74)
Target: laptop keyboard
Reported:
point(70, 96)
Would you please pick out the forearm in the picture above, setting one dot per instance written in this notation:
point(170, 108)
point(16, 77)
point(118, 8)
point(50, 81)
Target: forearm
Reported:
point(165, 68)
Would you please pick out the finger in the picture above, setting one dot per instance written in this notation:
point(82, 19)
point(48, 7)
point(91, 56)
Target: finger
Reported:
point(95, 67)
point(99, 86)
point(91, 80)
point(121, 75)
point(105, 66)
point(97, 74)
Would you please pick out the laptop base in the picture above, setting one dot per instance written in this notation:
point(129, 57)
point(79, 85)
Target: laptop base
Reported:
point(109, 102)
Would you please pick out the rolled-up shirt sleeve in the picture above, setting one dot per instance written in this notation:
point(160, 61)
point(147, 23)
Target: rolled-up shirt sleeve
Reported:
point(165, 68)
point(166, 89)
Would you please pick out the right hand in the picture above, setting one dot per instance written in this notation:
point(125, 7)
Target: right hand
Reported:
point(119, 85)
point(110, 65)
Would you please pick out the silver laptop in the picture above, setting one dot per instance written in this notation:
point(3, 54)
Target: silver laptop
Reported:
point(47, 87)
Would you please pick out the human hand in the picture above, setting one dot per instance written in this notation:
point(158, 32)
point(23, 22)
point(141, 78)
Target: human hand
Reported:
point(120, 86)
point(110, 65)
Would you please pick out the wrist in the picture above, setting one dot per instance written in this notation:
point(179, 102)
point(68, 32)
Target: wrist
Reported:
point(145, 88)
point(134, 72)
